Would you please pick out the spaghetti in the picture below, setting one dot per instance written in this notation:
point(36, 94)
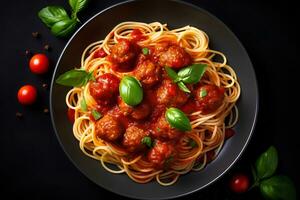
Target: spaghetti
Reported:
point(189, 151)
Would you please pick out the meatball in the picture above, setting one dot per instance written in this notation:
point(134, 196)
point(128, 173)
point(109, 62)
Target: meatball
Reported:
point(169, 94)
point(147, 72)
point(164, 131)
point(133, 137)
point(105, 87)
point(123, 55)
point(209, 97)
point(172, 56)
point(138, 112)
point(161, 154)
point(108, 128)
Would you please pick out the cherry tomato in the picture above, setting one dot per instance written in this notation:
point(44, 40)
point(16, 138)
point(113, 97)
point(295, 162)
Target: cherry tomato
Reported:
point(239, 183)
point(27, 94)
point(39, 64)
point(71, 115)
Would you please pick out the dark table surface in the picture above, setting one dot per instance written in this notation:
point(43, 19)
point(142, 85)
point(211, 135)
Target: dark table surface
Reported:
point(34, 165)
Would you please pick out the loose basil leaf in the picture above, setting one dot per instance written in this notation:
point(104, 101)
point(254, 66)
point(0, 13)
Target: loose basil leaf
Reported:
point(267, 163)
point(83, 104)
point(171, 73)
point(96, 114)
point(183, 87)
point(145, 51)
point(77, 5)
point(74, 77)
point(64, 27)
point(52, 14)
point(278, 188)
point(131, 90)
point(193, 73)
point(177, 119)
point(147, 141)
point(203, 93)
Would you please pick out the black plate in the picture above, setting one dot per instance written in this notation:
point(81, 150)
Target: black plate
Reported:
point(175, 14)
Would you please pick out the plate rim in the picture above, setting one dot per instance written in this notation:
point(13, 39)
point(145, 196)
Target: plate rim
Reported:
point(255, 117)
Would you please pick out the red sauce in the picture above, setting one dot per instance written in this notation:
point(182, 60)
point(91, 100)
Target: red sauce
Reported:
point(127, 124)
point(105, 87)
point(71, 115)
point(229, 132)
point(137, 35)
point(100, 53)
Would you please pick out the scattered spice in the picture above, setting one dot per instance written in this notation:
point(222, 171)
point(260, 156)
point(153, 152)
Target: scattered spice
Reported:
point(35, 34)
point(19, 115)
point(28, 53)
point(47, 47)
point(46, 110)
point(45, 85)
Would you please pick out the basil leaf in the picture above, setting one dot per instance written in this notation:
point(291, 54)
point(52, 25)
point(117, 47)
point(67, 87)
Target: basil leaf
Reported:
point(171, 73)
point(74, 77)
point(147, 141)
point(145, 51)
point(192, 143)
point(96, 114)
point(278, 187)
point(193, 73)
point(64, 27)
point(77, 5)
point(83, 104)
point(267, 163)
point(89, 77)
point(183, 87)
point(52, 14)
point(177, 119)
point(203, 93)
point(131, 90)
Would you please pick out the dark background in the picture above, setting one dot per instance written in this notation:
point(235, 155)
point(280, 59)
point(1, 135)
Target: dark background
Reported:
point(33, 165)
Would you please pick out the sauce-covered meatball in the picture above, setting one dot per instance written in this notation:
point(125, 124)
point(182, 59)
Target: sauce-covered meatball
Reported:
point(169, 94)
point(147, 72)
point(172, 55)
point(138, 112)
point(123, 55)
point(105, 87)
point(108, 128)
point(209, 97)
point(133, 137)
point(163, 131)
point(161, 154)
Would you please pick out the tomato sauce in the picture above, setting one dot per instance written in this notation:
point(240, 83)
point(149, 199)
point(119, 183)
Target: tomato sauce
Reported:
point(125, 125)
point(137, 35)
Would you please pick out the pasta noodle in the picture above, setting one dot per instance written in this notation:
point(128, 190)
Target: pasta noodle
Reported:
point(208, 130)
